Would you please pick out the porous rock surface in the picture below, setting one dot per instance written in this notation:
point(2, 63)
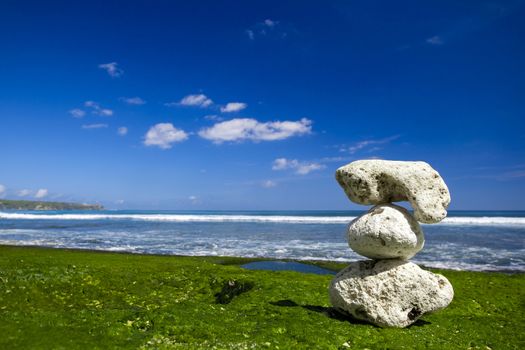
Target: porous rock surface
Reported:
point(389, 293)
point(374, 181)
point(386, 231)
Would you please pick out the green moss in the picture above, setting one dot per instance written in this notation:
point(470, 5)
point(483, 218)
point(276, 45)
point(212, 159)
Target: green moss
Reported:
point(77, 299)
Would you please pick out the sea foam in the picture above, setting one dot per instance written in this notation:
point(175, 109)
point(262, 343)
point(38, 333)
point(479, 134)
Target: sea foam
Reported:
point(460, 221)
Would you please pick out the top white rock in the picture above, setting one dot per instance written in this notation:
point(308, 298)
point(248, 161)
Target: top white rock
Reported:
point(375, 181)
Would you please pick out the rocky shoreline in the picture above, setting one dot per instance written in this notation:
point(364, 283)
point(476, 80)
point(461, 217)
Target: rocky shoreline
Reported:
point(7, 204)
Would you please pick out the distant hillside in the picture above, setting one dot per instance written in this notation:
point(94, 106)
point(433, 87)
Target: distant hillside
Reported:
point(39, 205)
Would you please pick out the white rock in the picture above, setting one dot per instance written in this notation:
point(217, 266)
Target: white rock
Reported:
point(389, 293)
point(386, 231)
point(376, 181)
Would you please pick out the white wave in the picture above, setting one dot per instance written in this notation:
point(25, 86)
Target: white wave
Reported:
point(464, 266)
point(459, 221)
point(185, 218)
point(484, 220)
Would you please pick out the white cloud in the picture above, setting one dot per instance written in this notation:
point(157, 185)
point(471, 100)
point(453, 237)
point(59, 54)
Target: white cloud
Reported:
point(77, 113)
point(198, 100)
point(94, 126)
point(306, 168)
point(194, 199)
point(136, 101)
point(2, 190)
point(371, 142)
point(435, 40)
point(233, 107)
point(41, 193)
point(122, 131)
point(213, 117)
point(270, 23)
point(373, 149)
point(112, 69)
point(268, 184)
point(97, 109)
point(163, 135)
point(24, 193)
point(335, 159)
point(283, 163)
point(301, 168)
point(119, 201)
point(269, 28)
point(241, 129)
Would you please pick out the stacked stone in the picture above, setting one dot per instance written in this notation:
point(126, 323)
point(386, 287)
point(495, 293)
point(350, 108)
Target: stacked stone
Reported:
point(390, 291)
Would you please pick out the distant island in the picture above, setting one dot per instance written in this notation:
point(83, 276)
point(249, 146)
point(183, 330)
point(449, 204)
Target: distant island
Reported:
point(40, 205)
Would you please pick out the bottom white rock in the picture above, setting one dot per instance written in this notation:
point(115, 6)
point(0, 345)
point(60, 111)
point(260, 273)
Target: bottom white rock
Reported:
point(389, 293)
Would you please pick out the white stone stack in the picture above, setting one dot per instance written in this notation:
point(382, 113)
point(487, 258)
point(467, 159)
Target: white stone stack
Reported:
point(390, 291)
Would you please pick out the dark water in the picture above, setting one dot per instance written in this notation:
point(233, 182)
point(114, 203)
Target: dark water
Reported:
point(287, 266)
point(464, 240)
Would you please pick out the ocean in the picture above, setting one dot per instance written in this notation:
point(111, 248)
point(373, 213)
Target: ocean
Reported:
point(465, 240)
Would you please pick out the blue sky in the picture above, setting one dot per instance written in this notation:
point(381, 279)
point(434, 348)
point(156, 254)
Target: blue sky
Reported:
point(253, 105)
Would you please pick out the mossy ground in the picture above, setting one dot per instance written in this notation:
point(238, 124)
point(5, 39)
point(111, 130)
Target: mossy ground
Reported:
point(64, 299)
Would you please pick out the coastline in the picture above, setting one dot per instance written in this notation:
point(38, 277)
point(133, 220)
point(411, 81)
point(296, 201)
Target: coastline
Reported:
point(479, 241)
point(334, 266)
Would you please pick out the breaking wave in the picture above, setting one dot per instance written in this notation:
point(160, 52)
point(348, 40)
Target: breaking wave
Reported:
point(462, 221)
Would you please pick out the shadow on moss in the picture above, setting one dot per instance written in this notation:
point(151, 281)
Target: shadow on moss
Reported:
point(231, 289)
point(333, 313)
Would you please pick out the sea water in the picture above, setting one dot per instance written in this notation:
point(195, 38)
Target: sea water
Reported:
point(465, 240)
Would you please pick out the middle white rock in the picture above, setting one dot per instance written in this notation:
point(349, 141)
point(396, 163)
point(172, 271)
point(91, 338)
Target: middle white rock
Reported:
point(386, 231)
